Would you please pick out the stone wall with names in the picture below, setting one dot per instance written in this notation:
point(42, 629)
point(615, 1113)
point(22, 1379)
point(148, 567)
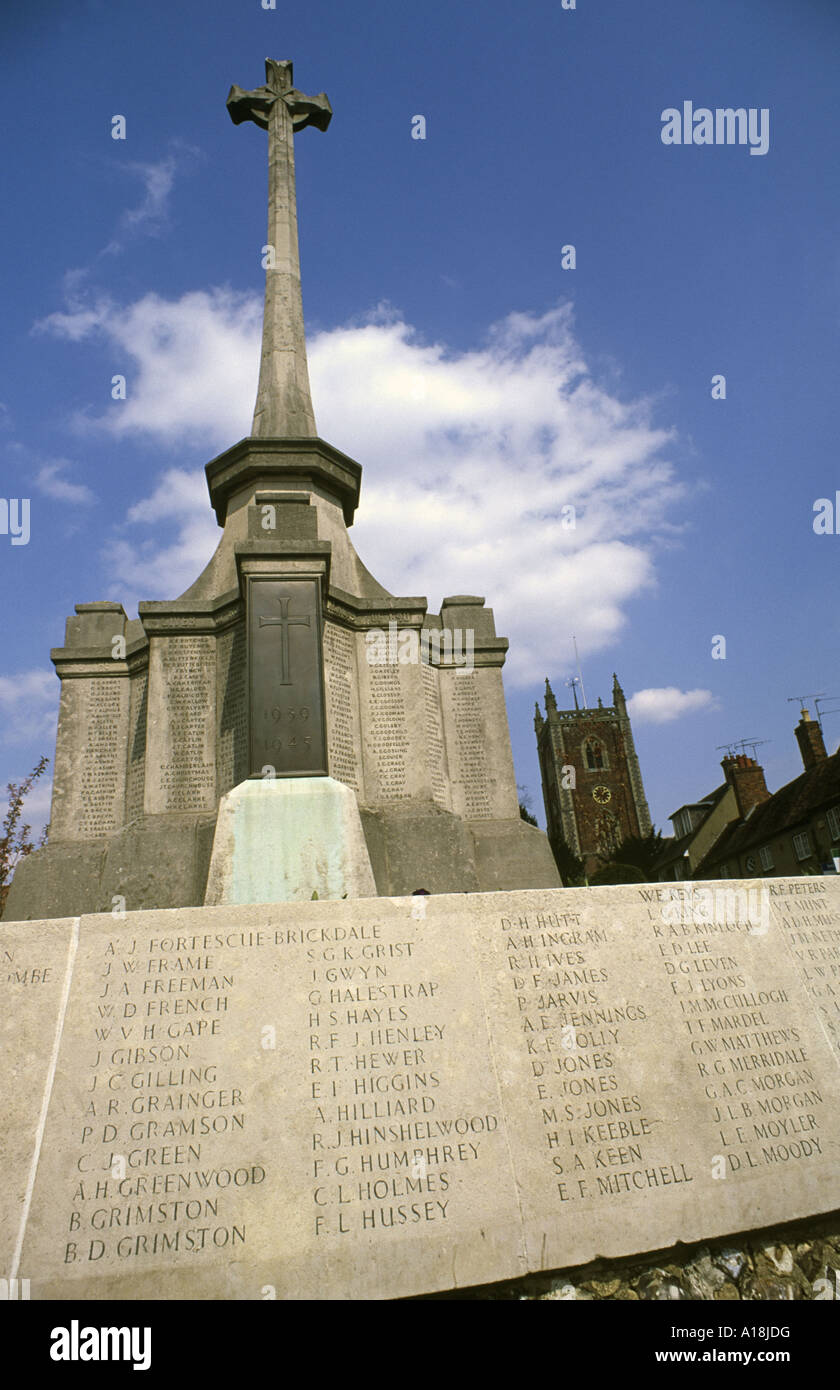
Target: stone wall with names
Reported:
point(90, 765)
point(478, 744)
point(232, 704)
point(466, 744)
point(136, 770)
point(434, 738)
point(34, 962)
point(390, 771)
point(342, 693)
point(181, 752)
point(808, 915)
point(677, 1074)
point(395, 1096)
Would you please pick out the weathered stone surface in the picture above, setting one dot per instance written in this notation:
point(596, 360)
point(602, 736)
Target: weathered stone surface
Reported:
point(808, 914)
point(478, 745)
point(181, 725)
point(284, 405)
point(389, 1097)
point(34, 963)
point(512, 854)
point(289, 840)
point(159, 861)
point(815, 1279)
point(266, 1112)
point(69, 874)
point(418, 845)
point(89, 786)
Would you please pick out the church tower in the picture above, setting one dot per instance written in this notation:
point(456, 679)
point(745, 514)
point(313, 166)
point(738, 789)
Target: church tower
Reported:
point(592, 783)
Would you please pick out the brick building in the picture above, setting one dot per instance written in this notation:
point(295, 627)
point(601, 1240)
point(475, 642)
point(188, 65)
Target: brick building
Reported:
point(698, 825)
point(741, 830)
point(791, 832)
point(591, 780)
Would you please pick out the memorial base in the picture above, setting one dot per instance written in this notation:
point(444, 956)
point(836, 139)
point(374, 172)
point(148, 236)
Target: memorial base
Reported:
point(288, 840)
point(395, 1096)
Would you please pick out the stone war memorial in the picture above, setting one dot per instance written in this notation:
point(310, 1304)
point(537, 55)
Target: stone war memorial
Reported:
point(294, 1004)
point(273, 699)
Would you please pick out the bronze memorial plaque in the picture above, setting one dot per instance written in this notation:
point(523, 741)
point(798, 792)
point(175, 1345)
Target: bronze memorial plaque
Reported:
point(287, 731)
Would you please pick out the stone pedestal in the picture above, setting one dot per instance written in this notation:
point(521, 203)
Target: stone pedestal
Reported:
point(403, 1095)
point(285, 839)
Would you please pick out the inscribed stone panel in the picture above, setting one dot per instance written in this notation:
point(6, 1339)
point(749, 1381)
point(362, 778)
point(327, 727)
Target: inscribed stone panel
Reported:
point(478, 744)
point(181, 761)
point(808, 913)
point(664, 1075)
point(91, 748)
point(390, 773)
point(136, 771)
point(272, 1097)
point(435, 744)
point(34, 961)
point(232, 699)
point(388, 1097)
point(344, 737)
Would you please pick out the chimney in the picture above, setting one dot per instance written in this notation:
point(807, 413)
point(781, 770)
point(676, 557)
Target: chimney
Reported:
point(745, 775)
point(810, 740)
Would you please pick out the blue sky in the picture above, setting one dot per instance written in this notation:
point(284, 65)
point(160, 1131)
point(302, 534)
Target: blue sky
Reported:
point(481, 385)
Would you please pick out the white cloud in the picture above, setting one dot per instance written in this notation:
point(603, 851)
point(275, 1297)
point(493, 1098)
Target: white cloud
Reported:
point(51, 483)
point(469, 458)
point(29, 706)
point(151, 568)
point(190, 364)
point(151, 214)
point(157, 180)
point(660, 706)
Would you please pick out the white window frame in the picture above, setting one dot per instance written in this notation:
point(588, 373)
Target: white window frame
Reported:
point(765, 857)
point(802, 841)
point(832, 820)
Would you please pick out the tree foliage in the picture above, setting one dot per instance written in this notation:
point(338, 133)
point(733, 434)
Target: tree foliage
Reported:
point(618, 873)
point(525, 804)
point(640, 851)
point(15, 841)
point(570, 868)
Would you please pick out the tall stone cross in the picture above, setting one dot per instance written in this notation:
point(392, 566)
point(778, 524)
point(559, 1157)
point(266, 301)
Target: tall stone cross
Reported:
point(284, 401)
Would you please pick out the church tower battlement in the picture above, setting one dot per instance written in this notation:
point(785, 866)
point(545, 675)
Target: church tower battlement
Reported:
point(592, 783)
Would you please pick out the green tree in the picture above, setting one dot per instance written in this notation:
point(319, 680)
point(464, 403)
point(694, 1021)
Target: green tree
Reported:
point(15, 842)
point(525, 804)
point(640, 851)
point(618, 873)
point(570, 868)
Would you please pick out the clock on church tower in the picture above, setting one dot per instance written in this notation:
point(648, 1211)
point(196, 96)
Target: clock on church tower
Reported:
point(592, 783)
